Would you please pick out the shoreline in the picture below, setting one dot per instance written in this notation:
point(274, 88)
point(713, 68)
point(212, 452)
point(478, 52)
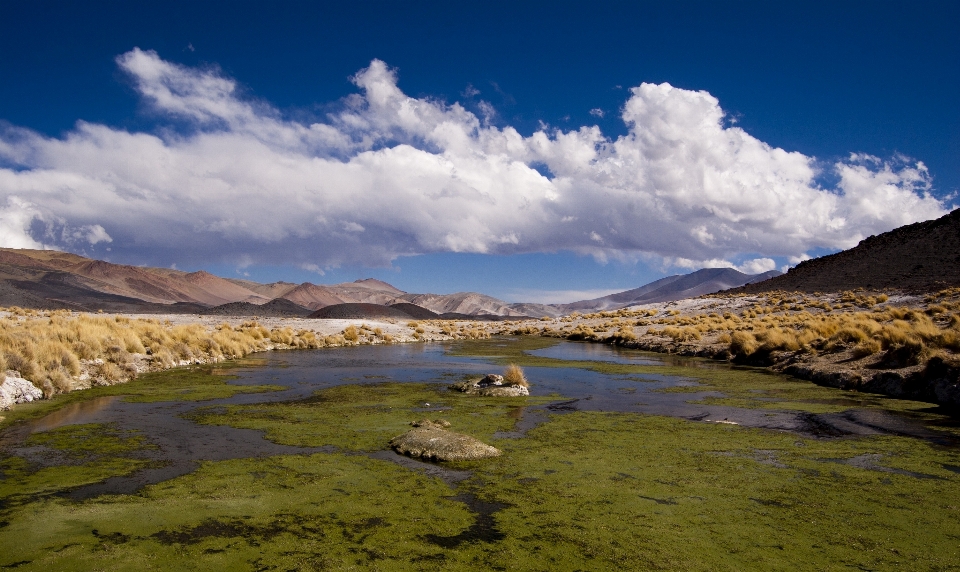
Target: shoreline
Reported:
point(123, 346)
point(836, 355)
point(899, 345)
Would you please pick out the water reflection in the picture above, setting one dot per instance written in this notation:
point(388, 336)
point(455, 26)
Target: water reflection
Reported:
point(72, 414)
point(583, 351)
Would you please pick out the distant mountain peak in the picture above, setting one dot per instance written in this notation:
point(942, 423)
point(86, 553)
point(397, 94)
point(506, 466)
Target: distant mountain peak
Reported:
point(676, 287)
point(375, 284)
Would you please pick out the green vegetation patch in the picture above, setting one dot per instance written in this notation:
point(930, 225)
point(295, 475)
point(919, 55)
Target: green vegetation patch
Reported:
point(281, 513)
point(68, 457)
point(189, 384)
point(753, 388)
point(619, 491)
point(587, 490)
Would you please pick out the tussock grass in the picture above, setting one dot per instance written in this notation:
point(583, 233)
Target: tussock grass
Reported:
point(862, 323)
point(59, 351)
point(513, 375)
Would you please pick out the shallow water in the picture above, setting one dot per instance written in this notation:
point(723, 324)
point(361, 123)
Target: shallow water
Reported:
point(181, 443)
point(597, 352)
point(568, 378)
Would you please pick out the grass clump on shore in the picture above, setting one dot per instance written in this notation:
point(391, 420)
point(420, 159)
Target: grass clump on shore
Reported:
point(59, 351)
point(908, 332)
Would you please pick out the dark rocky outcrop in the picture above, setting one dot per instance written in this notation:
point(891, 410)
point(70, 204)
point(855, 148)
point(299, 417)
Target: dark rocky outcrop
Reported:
point(277, 308)
point(416, 312)
point(359, 312)
point(919, 257)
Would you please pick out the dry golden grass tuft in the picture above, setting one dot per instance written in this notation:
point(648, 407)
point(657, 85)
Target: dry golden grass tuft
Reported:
point(59, 351)
point(513, 375)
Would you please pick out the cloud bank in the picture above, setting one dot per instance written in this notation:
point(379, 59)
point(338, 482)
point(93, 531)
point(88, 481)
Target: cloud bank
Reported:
point(225, 178)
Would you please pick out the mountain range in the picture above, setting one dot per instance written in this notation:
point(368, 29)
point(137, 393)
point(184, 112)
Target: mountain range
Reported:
point(53, 279)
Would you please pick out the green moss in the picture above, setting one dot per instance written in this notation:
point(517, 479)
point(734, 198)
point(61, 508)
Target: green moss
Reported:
point(311, 512)
point(72, 456)
point(188, 384)
point(92, 439)
point(603, 491)
point(591, 491)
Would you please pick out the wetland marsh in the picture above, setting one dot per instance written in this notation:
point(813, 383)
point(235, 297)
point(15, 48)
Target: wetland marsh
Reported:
point(617, 459)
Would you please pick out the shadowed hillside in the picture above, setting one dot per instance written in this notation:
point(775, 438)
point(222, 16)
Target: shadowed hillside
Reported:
point(920, 257)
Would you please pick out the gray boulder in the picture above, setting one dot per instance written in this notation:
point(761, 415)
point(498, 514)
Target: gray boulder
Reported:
point(490, 386)
point(431, 440)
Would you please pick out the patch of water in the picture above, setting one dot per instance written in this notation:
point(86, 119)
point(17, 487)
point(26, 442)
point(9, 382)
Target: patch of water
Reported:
point(584, 351)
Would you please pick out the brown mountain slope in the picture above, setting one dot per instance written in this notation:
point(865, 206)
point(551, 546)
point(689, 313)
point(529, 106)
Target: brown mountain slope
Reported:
point(155, 285)
point(160, 284)
point(374, 284)
point(89, 283)
point(368, 291)
point(222, 289)
point(919, 257)
point(46, 278)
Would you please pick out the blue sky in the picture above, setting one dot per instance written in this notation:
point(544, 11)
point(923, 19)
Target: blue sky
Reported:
point(545, 158)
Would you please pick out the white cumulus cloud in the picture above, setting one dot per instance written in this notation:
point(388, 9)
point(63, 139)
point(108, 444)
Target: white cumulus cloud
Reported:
point(225, 177)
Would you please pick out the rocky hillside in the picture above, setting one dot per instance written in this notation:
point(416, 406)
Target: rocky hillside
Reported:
point(920, 257)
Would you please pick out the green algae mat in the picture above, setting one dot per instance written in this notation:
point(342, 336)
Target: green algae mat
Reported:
point(572, 490)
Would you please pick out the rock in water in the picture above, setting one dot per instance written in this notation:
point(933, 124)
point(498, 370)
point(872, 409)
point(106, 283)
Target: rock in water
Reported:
point(491, 386)
point(503, 391)
point(431, 440)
